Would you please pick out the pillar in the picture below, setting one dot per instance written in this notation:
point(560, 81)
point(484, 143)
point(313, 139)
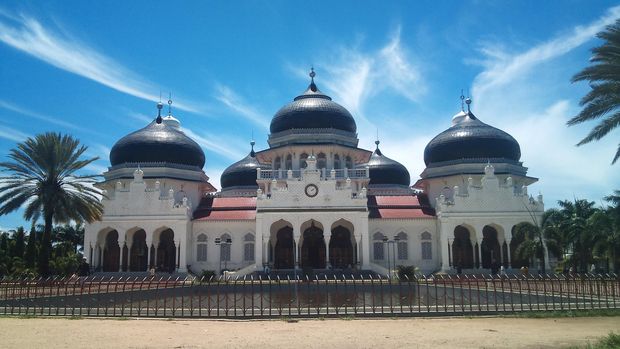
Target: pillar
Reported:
point(479, 253)
point(296, 240)
point(121, 245)
point(149, 243)
point(358, 250)
point(327, 236)
point(259, 245)
point(508, 253)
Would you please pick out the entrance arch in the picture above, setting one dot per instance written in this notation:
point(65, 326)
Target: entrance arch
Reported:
point(138, 257)
point(341, 253)
point(462, 249)
point(313, 247)
point(166, 251)
point(111, 252)
point(490, 249)
point(284, 249)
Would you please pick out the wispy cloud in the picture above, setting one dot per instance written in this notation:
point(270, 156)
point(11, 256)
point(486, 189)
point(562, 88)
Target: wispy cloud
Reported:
point(502, 67)
point(536, 114)
point(355, 75)
point(64, 52)
point(12, 134)
point(215, 144)
point(47, 118)
point(233, 101)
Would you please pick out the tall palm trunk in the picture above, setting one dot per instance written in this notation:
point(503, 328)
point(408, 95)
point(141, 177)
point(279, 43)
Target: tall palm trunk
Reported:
point(46, 246)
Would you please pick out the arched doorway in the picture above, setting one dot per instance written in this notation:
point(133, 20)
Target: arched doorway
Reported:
point(111, 252)
point(462, 249)
point(284, 257)
point(166, 251)
point(341, 248)
point(139, 252)
point(313, 248)
point(491, 255)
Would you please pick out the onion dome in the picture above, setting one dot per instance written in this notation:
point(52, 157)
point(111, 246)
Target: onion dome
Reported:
point(471, 139)
point(159, 142)
point(313, 110)
point(242, 173)
point(384, 170)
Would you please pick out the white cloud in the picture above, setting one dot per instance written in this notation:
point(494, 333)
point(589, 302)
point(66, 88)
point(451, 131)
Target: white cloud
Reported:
point(61, 51)
point(216, 144)
point(501, 67)
point(49, 119)
point(233, 101)
point(12, 134)
point(519, 94)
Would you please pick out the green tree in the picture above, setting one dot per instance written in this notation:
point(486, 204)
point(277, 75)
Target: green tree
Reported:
point(18, 246)
point(43, 178)
point(580, 233)
point(30, 256)
point(603, 100)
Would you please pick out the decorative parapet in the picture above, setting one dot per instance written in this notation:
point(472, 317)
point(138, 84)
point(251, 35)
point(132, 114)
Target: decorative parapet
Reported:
point(139, 199)
point(490, 196)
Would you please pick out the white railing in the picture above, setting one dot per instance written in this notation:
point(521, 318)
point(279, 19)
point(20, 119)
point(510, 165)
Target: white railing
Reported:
point(325, 173)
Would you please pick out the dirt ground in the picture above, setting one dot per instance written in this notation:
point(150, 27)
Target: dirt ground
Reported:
point(486, 332)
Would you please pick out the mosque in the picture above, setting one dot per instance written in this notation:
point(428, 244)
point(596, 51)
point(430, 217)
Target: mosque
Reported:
point(313, 200)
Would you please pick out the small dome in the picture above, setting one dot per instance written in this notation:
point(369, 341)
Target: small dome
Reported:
point(384, 170)
point(158, 142)
point(470, 138)
point(242, 173)
point(172, 121)
point(313, 109)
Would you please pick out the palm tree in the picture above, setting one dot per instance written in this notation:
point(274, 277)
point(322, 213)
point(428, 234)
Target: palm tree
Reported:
point(533, 245)
point(580, 233)
point(604, 77)
point(43, 180)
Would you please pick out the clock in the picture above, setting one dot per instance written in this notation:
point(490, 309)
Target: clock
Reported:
point(311, 190)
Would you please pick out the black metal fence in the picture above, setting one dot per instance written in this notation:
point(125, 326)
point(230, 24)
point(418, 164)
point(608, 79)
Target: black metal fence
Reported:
point(252, 297)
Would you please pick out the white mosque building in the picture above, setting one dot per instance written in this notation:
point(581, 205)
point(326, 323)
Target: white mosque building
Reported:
point(312, 200)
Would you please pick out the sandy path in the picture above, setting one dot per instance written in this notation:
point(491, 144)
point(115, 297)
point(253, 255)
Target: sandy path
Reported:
point(327, 334)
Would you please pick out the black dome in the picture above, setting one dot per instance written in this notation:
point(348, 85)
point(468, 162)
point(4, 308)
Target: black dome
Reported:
point(242, 173)
point(157, 142)
point(470, 138)
point(384, 170)
point(312, 109)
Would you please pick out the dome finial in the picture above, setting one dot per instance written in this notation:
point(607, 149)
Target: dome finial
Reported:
point(252, 143)
point(312, 74)
point(160, 105)
point(468, 102)
point(169, 103)
point(462, 99)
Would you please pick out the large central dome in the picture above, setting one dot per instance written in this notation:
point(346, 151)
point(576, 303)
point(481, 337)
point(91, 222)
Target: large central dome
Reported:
point(161, 141)
point(313, 110)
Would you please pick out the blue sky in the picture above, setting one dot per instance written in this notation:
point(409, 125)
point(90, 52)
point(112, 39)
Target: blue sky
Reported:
point(95, 70)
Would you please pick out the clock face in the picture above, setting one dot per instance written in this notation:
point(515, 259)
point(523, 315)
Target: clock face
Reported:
point(312, 190)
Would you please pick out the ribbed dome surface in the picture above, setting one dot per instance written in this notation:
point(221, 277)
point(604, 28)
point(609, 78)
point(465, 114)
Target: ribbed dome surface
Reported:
point(384, 170)
point(157, 142)
point(242, 173)
point(313, 109)
point(470, 138)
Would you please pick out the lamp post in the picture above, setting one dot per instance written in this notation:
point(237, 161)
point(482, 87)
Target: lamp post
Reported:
point(222, 243)
point(395, 249)
point(390, 244)
point(385, 243)
point(218, 242)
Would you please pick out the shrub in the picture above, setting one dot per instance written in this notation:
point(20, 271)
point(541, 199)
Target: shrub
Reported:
point(207, 275)
point(406, 272)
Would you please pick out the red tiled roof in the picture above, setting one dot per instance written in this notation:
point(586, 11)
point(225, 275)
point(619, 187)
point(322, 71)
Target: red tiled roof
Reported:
point(214, 208)
point(393, 207)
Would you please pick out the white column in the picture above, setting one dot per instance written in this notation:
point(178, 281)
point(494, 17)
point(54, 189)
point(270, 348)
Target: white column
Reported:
point(480, 253)
point(259, 245)
point(149, 242)
point(508, 253)
point(327, 235)
point(121, 244)
point(296, 240)
point(444, 245)
point(362, 227)
point(358, 250)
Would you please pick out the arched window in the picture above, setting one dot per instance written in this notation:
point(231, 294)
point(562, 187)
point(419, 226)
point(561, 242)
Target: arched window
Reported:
point(337, 163)
point(201, 248)
point(302, 160)
point(348, 162)
point(427, 246)
point(277, 163)
point(248, 247)
point(377, 246)
point(225, 247)
point(401, 247)
point(321, 161)
point(289, 162)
